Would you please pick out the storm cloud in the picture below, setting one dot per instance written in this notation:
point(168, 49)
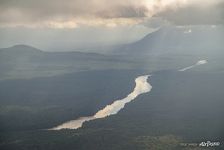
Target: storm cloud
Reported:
point(70, 12)
point(75, 13)
point(203, 13)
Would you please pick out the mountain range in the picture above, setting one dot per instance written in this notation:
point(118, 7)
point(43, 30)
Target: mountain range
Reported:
point(164, 48)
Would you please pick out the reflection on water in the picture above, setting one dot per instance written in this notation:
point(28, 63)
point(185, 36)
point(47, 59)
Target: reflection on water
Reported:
point(200, 62)
point(142, 86)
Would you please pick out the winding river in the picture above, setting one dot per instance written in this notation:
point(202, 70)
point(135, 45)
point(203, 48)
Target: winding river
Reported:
point(200, 62)
point(141, 86)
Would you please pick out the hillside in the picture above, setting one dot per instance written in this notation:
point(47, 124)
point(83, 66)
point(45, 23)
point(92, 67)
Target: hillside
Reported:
point(170, 39)
point(22, 61)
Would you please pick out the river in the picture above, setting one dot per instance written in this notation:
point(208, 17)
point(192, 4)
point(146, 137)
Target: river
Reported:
point(141, 86)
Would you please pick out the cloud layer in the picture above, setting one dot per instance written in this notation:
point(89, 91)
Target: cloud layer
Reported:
point(69, 13)
point(196, 13)
point(75, 13)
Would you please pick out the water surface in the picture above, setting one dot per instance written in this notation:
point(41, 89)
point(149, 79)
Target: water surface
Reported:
point(141, 86)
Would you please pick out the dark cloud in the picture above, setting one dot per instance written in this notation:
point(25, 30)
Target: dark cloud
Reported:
point(71, 13)
point(123, 12)
point(195, 14)
point(26, 11)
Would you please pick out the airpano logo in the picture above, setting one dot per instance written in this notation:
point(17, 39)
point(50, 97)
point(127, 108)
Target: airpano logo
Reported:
point(201, 144)
point(209, 144)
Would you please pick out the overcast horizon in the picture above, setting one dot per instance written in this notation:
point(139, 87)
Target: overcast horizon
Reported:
point(72, 25)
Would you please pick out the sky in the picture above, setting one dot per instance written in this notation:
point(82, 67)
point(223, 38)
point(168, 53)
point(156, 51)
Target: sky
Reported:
point(83, 24)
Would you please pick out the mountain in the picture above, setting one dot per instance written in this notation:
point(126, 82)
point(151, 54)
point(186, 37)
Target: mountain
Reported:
point(171, 39)
point(165, 48)
point(29, 50)
point(23, 61)
point(20, 49)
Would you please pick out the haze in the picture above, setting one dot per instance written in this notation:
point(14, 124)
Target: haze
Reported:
point(71, 25)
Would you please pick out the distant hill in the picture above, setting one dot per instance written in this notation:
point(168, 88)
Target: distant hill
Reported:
point(23, 61)
point(24, 54)
point(22, 49)
point(165, 48)
point(27, 50)
point(177, 39)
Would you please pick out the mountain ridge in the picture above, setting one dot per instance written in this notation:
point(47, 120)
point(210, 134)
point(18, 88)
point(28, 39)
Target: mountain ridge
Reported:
point(172, 38)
